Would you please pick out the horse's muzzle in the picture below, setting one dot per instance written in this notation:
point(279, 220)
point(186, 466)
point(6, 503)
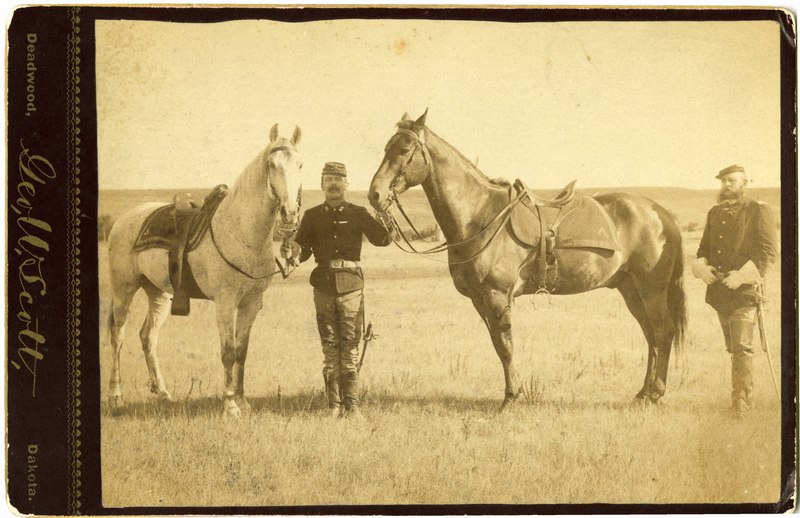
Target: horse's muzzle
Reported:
point(289, 218)
point(378, 202)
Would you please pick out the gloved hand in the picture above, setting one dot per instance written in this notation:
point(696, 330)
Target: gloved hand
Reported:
point(747, 274)
point(385, 218)
point(733, 280)
point(290, 251)
point(702, 270)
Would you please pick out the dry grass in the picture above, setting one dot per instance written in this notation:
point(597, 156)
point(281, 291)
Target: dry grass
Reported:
point(432, 388)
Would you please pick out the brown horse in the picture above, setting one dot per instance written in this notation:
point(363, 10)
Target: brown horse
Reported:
point(486, 259)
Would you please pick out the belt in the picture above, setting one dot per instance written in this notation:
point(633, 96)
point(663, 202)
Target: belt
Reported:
point(340, 263)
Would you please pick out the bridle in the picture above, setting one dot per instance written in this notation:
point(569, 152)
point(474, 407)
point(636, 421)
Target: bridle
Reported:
point(394, 199)
point(419, 144)
point(285, 230)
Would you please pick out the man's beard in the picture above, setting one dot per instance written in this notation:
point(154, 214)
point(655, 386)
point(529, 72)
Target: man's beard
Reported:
point(728, 194)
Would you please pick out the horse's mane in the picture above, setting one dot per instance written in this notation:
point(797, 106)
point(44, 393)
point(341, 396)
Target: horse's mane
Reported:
point(500, 182)
point(254, 180)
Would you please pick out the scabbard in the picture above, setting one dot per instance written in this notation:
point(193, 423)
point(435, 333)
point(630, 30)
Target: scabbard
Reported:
point(763, 335)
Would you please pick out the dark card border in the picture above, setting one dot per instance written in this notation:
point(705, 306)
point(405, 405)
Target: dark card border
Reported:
point(65, 424)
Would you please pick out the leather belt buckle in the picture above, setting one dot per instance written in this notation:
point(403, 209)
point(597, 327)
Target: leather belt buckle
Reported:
point(342, 263)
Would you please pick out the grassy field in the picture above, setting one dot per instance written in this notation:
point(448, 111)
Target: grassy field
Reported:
point(432, 385)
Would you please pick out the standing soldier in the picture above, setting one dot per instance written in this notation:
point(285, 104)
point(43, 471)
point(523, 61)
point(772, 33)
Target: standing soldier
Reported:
point(737, 247)
point(333, 232)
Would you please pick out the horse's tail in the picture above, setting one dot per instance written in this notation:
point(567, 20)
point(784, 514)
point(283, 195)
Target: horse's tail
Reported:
point(676, 297)
point(110, 322)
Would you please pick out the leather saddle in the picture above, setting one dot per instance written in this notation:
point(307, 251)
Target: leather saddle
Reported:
point(179, 227)
point(564, 197)
point(569, 220)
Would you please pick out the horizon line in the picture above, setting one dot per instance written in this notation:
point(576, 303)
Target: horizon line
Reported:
point(184, 188)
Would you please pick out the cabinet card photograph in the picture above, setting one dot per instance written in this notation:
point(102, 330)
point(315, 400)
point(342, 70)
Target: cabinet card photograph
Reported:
point(371, 260)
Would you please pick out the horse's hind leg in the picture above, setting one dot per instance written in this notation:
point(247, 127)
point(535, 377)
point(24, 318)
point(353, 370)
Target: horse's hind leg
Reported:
point(120, 302)
point(158, 311)
point(655, 303)
point(636, 306)
point(495, 309)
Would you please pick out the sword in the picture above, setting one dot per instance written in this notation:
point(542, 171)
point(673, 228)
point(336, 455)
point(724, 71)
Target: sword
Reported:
point(368, 337)
point(763, 334)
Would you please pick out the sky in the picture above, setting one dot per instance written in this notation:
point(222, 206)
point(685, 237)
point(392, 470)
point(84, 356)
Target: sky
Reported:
point(607, 103)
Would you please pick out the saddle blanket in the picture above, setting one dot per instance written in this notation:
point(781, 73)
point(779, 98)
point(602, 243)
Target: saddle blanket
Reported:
point(180, 224)
point(159, 229)
point(179, 228)
point(581, 223)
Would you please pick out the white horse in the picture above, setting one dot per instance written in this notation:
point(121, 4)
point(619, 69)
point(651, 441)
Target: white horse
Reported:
point(233, 265)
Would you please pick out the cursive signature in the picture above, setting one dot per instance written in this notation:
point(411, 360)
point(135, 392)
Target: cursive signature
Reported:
point(31, 247)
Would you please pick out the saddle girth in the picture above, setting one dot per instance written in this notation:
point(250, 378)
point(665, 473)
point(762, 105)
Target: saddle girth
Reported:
point(547, 243)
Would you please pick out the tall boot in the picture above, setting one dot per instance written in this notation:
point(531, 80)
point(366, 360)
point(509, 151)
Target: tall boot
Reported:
point(741, 383)
point(333, 393)
point(350, 394)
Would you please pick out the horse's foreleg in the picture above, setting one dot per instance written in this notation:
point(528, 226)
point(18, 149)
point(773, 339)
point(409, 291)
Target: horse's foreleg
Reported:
point(227, 334)
point(158, 311)
point(245, 316)
point(495, 309)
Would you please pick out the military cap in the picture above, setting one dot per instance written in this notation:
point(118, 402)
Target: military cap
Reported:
point(729, 170)
point(334, 168)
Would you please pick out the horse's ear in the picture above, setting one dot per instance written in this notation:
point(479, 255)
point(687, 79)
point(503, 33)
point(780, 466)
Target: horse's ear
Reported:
point(406, 117)
point(273, 133)
point(421, 120)
point(296, 136)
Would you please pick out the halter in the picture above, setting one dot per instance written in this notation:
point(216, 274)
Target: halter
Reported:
point(394, 198)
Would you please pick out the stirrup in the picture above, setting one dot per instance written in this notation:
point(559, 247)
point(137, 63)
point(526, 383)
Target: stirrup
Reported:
point(545, 292)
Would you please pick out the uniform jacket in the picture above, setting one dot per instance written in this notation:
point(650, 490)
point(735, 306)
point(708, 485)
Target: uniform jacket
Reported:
point(337, 233)
point(737, 232)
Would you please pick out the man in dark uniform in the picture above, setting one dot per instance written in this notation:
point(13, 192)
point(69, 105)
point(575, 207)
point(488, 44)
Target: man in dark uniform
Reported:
point(333, 232)
point(737, 247)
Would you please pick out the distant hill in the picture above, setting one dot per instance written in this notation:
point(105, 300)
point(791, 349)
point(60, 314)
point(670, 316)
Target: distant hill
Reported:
point(688, 205)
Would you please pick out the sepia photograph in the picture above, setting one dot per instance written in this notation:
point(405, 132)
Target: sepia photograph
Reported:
point(353, 261)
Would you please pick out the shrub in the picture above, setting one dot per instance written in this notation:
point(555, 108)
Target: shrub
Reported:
point(691, 226)
point(104, 224)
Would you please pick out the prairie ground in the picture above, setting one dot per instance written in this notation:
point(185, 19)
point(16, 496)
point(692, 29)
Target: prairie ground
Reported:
point(432, 386)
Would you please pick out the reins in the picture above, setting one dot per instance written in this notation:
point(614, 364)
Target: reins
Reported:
point(233, 265)
point(504, 215)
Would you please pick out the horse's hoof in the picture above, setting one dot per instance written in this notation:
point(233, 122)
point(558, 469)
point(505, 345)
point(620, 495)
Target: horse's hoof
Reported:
point(508, 403)
point(243, 405)
point(233, 413)
point(232, 409)
point(644, 401)
point(115, 401)
point(164, 396)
